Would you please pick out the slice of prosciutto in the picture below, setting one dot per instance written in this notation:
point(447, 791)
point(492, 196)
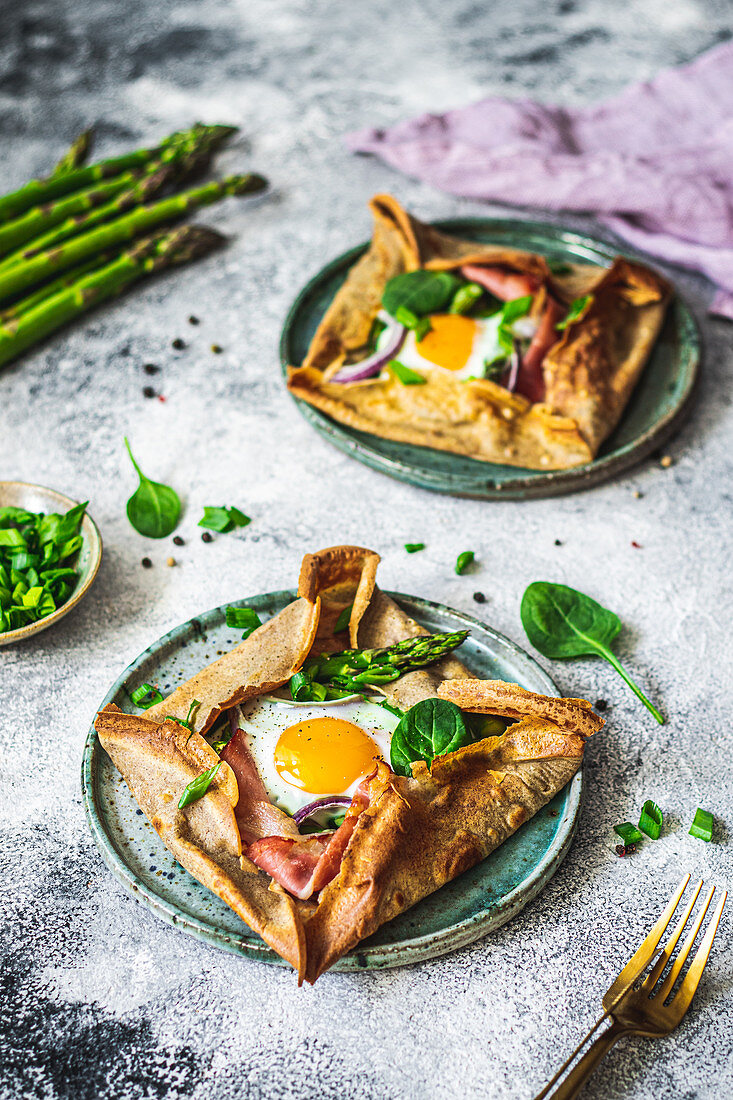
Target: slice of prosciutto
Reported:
point(305, 866)
point(503, 284)
point(256, 816)
point(530, 377)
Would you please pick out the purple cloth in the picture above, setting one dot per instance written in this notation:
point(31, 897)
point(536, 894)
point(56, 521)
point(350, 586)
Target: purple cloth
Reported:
point(655, 162)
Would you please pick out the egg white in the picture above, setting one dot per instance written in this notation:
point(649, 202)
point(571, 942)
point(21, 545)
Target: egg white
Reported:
point(265, 717)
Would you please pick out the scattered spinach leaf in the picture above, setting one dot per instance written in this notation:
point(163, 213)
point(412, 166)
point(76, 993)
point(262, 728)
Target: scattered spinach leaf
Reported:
point(223, 519)
point(406, 375)
point(561, 622)
point(577, 309)
point(198, 787)
point(421, 292)
point(430, 728)
point(153, 509)
point(464, 559)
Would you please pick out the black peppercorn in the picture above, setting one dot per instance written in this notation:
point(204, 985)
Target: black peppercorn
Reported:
point(148, 391)
point(151, 368)
point(178, 540)
point(178, 343)
point(479, 597)
point(600, 704)
point(557, 542)
point(193, 320)
point(620, 850)
point(206, 537)
point(146, 563)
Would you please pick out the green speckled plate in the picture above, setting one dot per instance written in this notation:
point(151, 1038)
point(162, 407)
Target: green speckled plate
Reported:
point(472, 905)
point(656, 409)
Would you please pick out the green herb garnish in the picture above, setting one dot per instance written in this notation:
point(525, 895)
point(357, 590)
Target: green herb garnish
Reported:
point(343, 620)
point(146, 696)
point(430, 728)
point(628, 833)
point(223, 519)
point(464, 559)
point(36, 555)
point(650, 821)
point(577, 309)
point(245, 619)
point(420, 292)
point(414, 547)
point(465, 298)
point(198, 787)
point(188, 720)
point(153, 509)
point(561, 623)
point(406, 375)
point(702, 825)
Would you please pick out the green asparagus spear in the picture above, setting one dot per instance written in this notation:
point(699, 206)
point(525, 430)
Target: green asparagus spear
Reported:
point(76, 154)
point(354, 669)
point(49, 289)
point(41, 191)
point(146, 257)
point(16, 279)
point(141, 191)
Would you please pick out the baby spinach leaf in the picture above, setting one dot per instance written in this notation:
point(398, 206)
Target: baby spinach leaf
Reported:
point(430, 728)
point(421, 292)
point(153, 509)
point(223, 519)
point(561, 622)
point(577, 309)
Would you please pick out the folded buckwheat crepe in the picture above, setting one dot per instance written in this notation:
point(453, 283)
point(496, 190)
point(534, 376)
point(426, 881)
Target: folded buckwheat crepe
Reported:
point(401, 834)
point(529, 368)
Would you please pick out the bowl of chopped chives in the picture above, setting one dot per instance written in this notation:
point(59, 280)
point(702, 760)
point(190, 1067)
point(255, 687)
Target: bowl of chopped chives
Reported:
point(50, 551)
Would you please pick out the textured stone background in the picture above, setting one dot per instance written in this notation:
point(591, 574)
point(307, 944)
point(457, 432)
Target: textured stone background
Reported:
point(100, 998)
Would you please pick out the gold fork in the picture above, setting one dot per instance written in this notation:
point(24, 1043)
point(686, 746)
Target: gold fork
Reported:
point(639, 1009)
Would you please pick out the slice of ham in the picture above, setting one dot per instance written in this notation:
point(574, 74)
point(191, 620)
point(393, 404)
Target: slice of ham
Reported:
point(305, 866)
point(256, 816)
point(530, 378)
point(502, 283)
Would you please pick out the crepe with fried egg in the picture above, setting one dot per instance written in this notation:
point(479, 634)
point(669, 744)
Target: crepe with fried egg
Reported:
point(587, 336)
point(313, 895)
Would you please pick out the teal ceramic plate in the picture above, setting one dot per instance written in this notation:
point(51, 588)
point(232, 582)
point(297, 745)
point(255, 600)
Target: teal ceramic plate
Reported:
point(656, 410)
point(472, 905)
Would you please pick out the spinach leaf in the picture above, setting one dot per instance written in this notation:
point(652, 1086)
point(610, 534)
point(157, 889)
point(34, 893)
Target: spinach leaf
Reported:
point(223, 519)
point(577, 309)
point(561, 622)
point(431, 728)
point(421, 292)
point(153, 509)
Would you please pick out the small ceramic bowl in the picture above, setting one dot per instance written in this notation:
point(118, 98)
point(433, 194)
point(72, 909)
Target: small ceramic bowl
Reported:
point(35, 498)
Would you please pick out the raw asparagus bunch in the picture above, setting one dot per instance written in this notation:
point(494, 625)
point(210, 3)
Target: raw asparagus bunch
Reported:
point(145, 257)
point(76, 155)
point(353, 669)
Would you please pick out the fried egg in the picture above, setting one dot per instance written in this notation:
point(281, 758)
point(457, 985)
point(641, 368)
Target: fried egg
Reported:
point(306, 751)
point(459, 345)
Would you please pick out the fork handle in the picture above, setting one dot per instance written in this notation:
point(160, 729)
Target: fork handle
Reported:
point(573, 1083)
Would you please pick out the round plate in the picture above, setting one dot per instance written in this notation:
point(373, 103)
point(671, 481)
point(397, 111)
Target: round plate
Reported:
point(472, 905)
point(656, 409)
point(21, 494)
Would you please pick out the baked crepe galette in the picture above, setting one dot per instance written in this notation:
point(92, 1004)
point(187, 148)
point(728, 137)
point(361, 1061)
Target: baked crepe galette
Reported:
point(462, 783)
point(486, 353)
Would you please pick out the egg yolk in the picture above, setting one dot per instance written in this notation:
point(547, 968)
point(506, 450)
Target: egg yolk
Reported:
point(449, 342)
point(324, 755)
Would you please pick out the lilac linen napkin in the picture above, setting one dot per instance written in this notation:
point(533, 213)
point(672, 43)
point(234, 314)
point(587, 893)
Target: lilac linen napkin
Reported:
point(656, 162)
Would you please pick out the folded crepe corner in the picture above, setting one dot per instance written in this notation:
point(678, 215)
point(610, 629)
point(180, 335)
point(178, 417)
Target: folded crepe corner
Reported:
point(404, 837)
point(589, 373)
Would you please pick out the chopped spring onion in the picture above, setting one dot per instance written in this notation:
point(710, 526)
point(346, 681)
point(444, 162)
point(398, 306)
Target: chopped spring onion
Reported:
point(195, 704)
point(628, 833)
point(198, 787)
point(146, 696)
point(577, 309)
point(243, 618)
point(465, 298)
point(650, 821)
point(342, 622)
point(463, 561)
point(702, 825)
point(414, 547)
point(406, 375)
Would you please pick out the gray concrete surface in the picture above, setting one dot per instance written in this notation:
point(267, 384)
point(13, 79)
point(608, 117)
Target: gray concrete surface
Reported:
point(98, 997)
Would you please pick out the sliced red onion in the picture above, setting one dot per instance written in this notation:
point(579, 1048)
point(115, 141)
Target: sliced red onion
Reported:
point(367, 368)
point(515, 363)
point(332, 802)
